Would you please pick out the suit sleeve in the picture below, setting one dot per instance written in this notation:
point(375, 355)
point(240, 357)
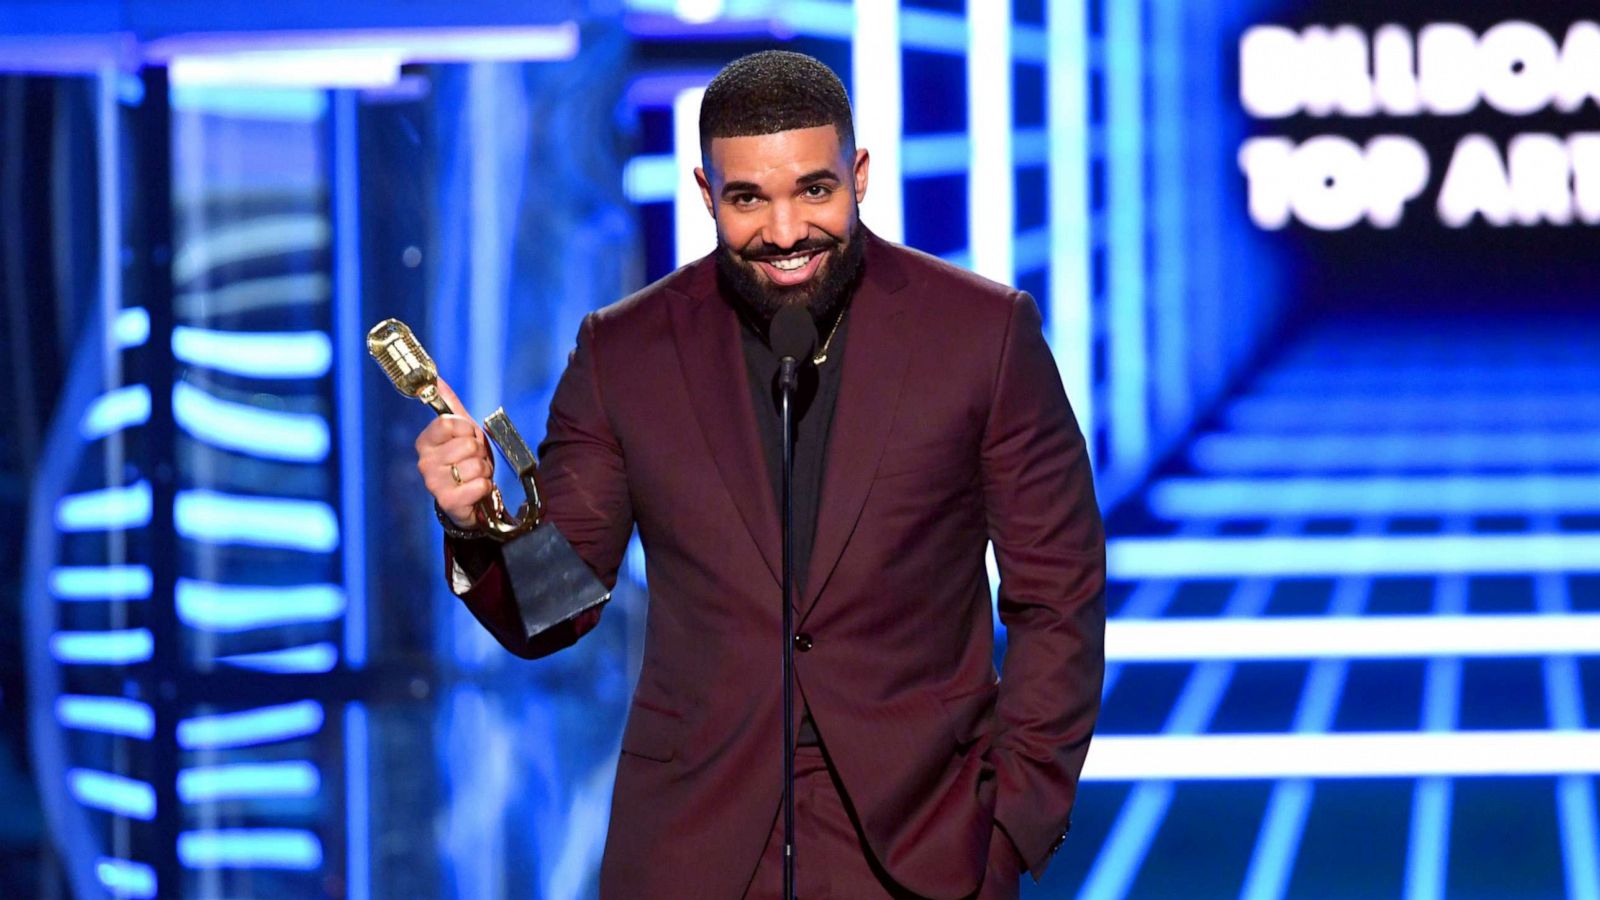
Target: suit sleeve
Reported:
point(1050, 547)
point(585, 487)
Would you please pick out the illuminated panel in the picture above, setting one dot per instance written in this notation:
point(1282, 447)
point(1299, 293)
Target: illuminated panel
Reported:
point(245, 781)
point(108, 715)
point(229, 607)
point(107, 509)
point(257, 238)
point(1355, 637)
point(295, 437)
point(1182, 498)
point(303, 354)
point(1480, 554)
point(692, 233)
point(219, 518)
point(113, 793)
point(116, 410)
point(927, 155)
point(1342, 755)
point(126, 878)
point(131, 328)
point(1070, 327)
point(991, 202)
point(876, 92)
point(264, 725)
point(102, 648)
point(1579, 408)
point(1339, 452)
point(128, 582)
point(311, 658)
point(654, 179)
point(256, 848)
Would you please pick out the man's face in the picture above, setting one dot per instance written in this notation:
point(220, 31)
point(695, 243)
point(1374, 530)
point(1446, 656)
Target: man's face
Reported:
point(785, 205)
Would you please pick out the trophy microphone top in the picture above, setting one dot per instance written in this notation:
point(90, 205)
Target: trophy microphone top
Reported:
point(402, 358)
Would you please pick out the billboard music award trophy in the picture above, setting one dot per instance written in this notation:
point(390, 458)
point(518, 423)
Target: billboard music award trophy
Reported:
point(549, 581)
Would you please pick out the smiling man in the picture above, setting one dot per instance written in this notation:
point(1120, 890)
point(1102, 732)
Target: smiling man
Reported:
point(932, 424)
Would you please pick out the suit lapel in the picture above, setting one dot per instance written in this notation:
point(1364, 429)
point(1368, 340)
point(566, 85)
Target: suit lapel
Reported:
point(875, 357)
point(706, 332)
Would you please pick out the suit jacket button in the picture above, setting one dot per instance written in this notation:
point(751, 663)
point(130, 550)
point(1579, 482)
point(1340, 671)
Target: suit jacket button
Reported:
point(802, 642)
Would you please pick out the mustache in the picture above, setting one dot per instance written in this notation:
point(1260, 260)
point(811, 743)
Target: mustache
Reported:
point(771, 251)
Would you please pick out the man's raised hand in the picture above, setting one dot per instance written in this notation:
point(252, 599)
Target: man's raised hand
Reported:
point(453, 457)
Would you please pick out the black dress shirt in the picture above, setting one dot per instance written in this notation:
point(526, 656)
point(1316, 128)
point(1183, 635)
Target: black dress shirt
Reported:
point(814, 402)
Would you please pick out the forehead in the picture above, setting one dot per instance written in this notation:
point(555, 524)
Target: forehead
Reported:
point(781, 156)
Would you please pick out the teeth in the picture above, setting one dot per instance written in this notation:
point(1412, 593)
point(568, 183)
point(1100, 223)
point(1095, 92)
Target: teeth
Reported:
point(789, 265)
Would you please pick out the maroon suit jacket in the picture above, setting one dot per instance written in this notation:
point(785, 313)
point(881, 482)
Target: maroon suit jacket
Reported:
point(951, 431)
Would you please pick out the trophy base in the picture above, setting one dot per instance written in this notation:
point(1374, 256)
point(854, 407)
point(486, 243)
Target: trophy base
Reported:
point(549, 581)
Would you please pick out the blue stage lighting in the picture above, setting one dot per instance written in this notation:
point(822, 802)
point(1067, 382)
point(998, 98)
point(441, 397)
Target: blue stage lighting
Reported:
point(1129, 559)
point(103, 648)
point(126, 878)
point(108, 715)
point(297, 437)
point(108, 509)
point(1410, 495)
point(300, 354)
point(250, 848)
point(129, 582)
point(229, 607)
point(248, 728)
point(219, 518)
point(131, 328)
point(117, 794)
point(245, 781)
point(310, 658)
point(115, 410)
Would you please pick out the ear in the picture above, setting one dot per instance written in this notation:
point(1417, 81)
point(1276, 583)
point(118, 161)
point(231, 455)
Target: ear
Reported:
point(705, 190)
point(859, 172)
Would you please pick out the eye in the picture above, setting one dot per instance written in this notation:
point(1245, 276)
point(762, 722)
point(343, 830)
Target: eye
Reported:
point(818, 191)
point(744, 201)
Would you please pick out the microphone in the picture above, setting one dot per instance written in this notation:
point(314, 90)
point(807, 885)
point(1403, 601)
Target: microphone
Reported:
point(793, 334)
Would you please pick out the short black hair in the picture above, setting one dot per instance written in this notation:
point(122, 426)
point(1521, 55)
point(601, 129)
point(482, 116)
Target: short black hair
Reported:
point(773, 91)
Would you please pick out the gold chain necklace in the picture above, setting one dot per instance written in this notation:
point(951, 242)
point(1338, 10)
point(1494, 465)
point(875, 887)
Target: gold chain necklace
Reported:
point(822, 355)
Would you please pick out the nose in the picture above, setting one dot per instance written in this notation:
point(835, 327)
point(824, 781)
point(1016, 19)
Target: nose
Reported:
point(786, 226)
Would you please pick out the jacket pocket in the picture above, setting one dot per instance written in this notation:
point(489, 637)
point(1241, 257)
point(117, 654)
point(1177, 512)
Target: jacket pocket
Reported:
point(652, 732)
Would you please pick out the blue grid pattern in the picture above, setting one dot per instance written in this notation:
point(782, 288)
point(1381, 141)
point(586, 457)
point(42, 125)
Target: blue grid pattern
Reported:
point(1416, 390)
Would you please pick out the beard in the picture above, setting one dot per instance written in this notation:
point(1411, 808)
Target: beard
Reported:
point(824, 294)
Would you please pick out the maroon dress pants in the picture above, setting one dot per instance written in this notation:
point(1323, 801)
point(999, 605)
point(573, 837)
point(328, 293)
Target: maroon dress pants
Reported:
point(832, 861)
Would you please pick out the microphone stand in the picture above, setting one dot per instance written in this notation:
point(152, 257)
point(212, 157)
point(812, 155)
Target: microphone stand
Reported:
point(788, 380)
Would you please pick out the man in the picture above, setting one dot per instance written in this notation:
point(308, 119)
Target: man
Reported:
point(932, 423)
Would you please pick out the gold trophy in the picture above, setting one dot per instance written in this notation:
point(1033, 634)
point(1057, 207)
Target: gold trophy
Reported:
point(550, 583)
point(413, 373)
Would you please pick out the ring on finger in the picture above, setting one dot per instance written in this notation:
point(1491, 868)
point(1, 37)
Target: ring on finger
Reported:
point(455, 473)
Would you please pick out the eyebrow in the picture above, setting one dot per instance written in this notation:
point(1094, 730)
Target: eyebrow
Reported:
point(806, 180)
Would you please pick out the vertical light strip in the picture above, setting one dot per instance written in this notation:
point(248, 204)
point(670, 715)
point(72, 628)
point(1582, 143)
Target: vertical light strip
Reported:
point(1071, 328)
point(1575, 801)
point(1147, 601)
point(1124, 851)
point(358, 804)
point(1171, 174)
point(991, 184)
point(1428, 845)
point(1129, 433)
point(108, 153)
point(876, 92)
point(348, 347)
point(486, 292)
point(1283, 825)
point(1120, 857)
point(693, 233)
